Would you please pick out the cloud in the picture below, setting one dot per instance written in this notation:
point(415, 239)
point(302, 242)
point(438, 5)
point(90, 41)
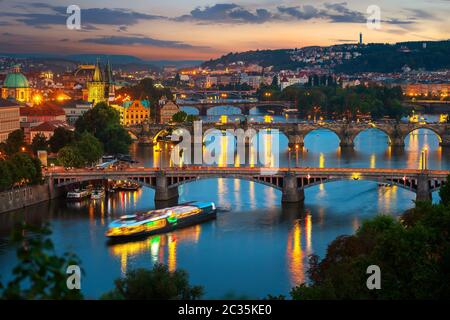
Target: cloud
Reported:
point(301, 13)
point(227, 13)
point(233, 13)
point(57, 15)
point(123, 40)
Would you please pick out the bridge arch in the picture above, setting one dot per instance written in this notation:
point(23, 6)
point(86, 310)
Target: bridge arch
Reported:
point(422, 127)
point(234, 110)
point(369, 129)
point(308, 136)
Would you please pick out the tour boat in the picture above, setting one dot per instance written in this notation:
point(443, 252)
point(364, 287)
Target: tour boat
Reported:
point(160, 221)
point(98, 193)
point(78, 195)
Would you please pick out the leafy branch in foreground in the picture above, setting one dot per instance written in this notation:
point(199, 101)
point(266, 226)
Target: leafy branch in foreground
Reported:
point(40, 273)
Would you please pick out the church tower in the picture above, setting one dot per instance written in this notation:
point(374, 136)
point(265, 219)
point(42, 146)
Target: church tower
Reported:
point(96, 87)
point(109, 84)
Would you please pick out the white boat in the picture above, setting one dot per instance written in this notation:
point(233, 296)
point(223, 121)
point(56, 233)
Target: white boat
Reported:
point(78, 195)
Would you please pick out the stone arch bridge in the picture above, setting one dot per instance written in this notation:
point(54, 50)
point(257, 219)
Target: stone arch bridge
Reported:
point(291, 182)
point(244, 106)
point(296, 132)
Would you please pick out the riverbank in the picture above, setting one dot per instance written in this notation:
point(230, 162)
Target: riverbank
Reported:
point(24, 197)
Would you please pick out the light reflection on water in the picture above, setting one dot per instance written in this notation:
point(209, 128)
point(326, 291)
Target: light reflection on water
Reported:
point(256, 246)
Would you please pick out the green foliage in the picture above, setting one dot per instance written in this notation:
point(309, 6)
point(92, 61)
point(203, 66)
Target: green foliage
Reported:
point(337, 102)
point(6, 177)
point(40, 274)
point(14, 142)
point(20, 169)
point(61, 138)
point(104, 123)
point(192, 117)
point(70, 157)
point(39, 143)
point(413, 255)
point(156, 284)
point(179, 117)
point(391, 58)
point(89, 148)
point(444, 193)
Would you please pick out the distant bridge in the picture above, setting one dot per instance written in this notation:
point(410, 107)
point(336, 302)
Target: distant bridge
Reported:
point(296, 132)
point(291, 182)
point(244, 105)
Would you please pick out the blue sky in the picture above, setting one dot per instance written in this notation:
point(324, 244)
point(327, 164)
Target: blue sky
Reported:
point(186, 29)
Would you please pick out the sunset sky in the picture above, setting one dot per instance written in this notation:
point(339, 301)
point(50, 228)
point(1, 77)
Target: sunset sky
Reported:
point(204, 29)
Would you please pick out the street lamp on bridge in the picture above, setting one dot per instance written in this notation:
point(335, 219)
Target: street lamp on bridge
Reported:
point(424, 159)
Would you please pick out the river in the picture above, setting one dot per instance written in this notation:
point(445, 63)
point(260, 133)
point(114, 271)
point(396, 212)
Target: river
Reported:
point(256, 246)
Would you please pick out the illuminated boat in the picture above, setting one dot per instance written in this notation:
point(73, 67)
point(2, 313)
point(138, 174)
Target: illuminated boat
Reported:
point(78, 195)
point(160, 221)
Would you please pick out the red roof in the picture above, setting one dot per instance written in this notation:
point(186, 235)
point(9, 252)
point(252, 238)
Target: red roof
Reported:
point(50, 126)
point(47, 109)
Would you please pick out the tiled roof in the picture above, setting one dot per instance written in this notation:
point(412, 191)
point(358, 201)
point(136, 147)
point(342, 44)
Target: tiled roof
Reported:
point(47, 109)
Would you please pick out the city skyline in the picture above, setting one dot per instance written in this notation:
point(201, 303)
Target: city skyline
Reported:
point(201, 30)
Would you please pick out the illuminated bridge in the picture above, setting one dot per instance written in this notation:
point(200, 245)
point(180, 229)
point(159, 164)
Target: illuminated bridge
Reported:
point(244, 105)
point(296, 132)
point(291, 182)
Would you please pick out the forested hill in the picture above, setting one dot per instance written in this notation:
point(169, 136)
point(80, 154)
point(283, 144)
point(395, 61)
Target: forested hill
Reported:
point(376, 57)
point(429, 55)
point(280, 59)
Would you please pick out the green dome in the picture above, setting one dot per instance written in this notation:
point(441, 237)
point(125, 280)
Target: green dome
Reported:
point(15, 80)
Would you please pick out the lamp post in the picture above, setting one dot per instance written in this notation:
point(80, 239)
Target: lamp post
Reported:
point(289, 158)
point(425, 159)
point(297, 147)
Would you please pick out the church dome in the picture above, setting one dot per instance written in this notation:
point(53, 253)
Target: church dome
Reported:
point(16, 79)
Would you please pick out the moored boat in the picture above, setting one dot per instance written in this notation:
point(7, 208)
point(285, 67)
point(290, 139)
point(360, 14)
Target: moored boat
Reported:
point(78, 194)
point(160, 221)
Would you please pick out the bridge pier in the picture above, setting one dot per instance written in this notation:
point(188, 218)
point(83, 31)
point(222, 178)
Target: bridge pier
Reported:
point(423, 192)
point(445, 142)
point(397, 142)
point(164, 192)
point(291, 192)
point(347, 142)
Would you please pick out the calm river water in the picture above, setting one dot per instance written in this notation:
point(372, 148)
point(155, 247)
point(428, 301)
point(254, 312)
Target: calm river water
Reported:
point(256, 246)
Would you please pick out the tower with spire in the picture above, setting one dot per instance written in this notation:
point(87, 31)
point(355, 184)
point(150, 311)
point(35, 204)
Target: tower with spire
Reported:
point(109, 83)
point(96, 87)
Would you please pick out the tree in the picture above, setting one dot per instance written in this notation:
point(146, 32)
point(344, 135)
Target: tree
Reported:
point(40, 274)
point(6, 178)
point(89, 148)
point(192, 117)
point(14, 142)
point(70, 157)
point(27, 170)
point(444, 193)
point(61, 137)
point(413, 254)
point(179, 117)
point(39, 143)
point(104, 123)
point(156, 284)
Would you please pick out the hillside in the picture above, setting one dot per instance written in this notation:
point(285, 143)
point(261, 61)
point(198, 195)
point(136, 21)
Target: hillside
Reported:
point(377, 57)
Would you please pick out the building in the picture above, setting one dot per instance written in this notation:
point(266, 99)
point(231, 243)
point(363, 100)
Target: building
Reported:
point(34, 116)
point(9, 118)
point(96, 87)
point(16, 86)
point(47, 129)
point(166, 110)
point(75, 109)
point(133, 112)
